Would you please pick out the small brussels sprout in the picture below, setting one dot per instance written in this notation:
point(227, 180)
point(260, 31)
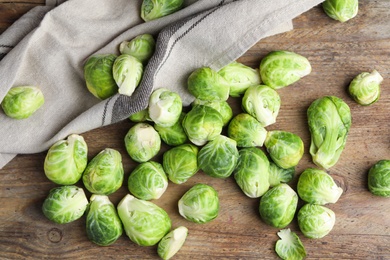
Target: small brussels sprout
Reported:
point(181, 162)
point(206, 84)
point(66, 160)
point(285, 148)
point(99, 77)
point(102, 222)
point(140, 116)
point(263, 103)
point(173, 135)
point(279, 175)
point(172, 242)
point(65, 204)
point(239, 77)
point(104, 173)
point(246, 131)
point(141, 47)
point(200, 204)
point(289, 246)
point(202, 124)
point(222, 107)
point(341, 10)
point(127, 73)
point(278, 205)
point(144, 222)
point(165, 107)
point(252, 172)
point(142, 142)
point(279, 69)
point(219, 157)
point(153, 9)
point(379, 178)
point(21, 102)
point(148, 181)
point(329, 120)
point(365, 87)
point(318, 187)
point(315, 221)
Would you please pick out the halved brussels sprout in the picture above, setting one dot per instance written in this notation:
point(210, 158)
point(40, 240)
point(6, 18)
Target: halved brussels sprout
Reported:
point(172, 242)
point(222, 107)
point(246, 131)
point(140, 116)
point(173, 135)
point(315, 221)
point(165, 107)
point(127, 73)
point(379, 178)
point(141, 47)
point(341, 10)
point(279, 175)
point(365, 88)
point(289, 246)
point(153, 9)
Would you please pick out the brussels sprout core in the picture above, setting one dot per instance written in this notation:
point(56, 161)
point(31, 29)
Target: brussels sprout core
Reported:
point(164, 107)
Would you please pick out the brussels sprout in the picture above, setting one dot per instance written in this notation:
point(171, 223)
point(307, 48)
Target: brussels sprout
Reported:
point(206, 84)
point(142, 142)
point(315, 221)
point(65, 204)
point(153, 9)
point(222, 107)
point(289, 246)
point(202, 124)
point(252, 172)
point(99, 77)
point(141, 47)
point(200, 204)
point(365, 87)
point(104, 173)
point(144, 222)
point(246, 131)
point(341, 10)
point(379, 178)
point(329, 120)
point(21, 102)
point(279, 69)
point(148, 181)
point(102, 222)
point(239, 77)
point(165, 107)
point(279, 175)
point(263, 103)
point(173, 135)
point(317, 187)
point(181, 162)
point(171, 243)
point(140, 116)
point(278, 205)
point(66, 160)
point(219, 157)
point(284, 148)
point(127, 73)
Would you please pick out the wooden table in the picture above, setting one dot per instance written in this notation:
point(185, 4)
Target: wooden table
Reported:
point(337, 52)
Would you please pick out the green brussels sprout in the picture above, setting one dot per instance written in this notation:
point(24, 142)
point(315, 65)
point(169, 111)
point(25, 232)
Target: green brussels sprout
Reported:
point(222, 107)
point(65, 204)
point(141, 47)
point(142, 142)
point(246, 131)
point(144, 222)
point(181, 163)
point(165, 107)
point(148, 181)
point(202, 124)
point(289, 246)
point(171, 243)
point(173, 135)
point(127, 72)
point(239, 77)
point(99, 77)
point(263, 103)
point(318, 187)
point(104, 173)
point(279, 69)
point(21, 102)
point(153, 9)
point(279, 175)
point(278, 205)
point(200, 204)
point(206, 84)
point(66, 160)
point(285, 148)
point(252, 172)
point(365, 87)
point(379, 178)
point(219, 157)
point(329, 120)
point(341, 10)
point(315, 221)
point(102, 222)
point(140, 116)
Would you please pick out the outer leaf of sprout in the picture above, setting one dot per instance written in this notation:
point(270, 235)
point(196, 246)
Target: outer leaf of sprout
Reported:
point(172, 242)
point(127, 72)
point(289, 246)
